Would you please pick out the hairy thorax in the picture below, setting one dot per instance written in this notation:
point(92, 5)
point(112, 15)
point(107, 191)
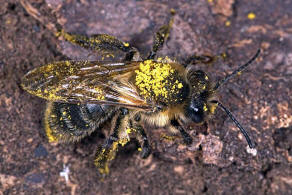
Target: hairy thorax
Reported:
point(162, 118)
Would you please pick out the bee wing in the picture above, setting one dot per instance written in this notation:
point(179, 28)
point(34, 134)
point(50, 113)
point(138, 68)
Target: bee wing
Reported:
point(86, 82)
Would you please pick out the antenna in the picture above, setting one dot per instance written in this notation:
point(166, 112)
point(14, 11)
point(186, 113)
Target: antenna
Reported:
point(241, 68)
point(243, 131)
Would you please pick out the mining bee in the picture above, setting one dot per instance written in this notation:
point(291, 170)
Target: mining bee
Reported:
point(159, 92)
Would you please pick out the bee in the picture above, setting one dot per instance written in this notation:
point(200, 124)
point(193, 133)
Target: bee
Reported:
point(83, 95)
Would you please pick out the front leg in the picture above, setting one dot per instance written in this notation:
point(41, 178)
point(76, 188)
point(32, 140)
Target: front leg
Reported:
point(161, 36)
point(186, 137)
point(203, 59)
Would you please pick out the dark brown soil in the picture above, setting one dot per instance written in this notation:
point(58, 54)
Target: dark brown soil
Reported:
point(218, 162)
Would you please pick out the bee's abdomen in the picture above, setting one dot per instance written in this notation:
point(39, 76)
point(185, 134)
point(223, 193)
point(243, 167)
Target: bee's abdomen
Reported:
point(71, 122)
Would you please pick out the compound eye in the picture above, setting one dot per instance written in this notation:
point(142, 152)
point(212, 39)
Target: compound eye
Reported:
point(195, 112)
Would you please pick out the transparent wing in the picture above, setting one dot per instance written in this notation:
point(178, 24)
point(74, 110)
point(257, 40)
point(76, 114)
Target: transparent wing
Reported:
point(86, 82)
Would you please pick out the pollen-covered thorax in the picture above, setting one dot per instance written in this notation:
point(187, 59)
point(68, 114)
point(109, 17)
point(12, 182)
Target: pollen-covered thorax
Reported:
point(160, 81)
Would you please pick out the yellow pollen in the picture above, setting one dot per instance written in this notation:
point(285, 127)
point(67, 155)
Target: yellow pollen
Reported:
point(50, 135)
point(98, 93)
point(213, 108)
point(251, 16)
point(129, 130)
point(227, 23)
point(153, 77)
point(205, 108)
point(224, 55)
point(124, 141)
point(126, 44)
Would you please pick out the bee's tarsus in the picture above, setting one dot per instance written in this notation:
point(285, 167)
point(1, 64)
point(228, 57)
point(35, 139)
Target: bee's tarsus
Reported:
point(243, 131)
point(146, 150)
point(186, 137)
point(143, 141)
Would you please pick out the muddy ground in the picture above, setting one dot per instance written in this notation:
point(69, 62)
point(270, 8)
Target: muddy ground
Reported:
point(218, 162)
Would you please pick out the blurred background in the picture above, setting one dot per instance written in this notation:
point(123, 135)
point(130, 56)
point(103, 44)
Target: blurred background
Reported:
point(218, 162)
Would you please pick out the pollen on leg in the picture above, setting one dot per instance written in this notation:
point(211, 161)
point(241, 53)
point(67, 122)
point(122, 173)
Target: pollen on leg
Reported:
point(104, 156)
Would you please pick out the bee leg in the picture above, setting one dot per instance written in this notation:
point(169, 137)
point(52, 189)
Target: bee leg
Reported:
point(105, 154)
point(186, 137)
point(108, 151)
point(101, 42)
point(143, 140)
point(203, 59)
point(161, 36)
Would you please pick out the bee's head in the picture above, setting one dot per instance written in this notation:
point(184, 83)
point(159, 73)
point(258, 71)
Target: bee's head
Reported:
point(200, 103)
point(198, 108)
